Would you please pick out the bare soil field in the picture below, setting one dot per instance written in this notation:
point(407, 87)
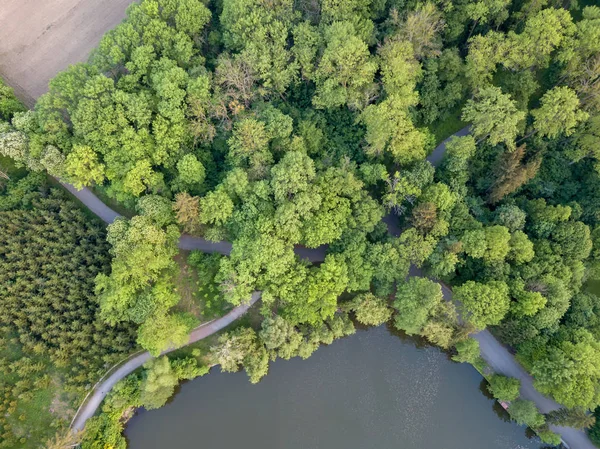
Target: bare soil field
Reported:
point(39, 38)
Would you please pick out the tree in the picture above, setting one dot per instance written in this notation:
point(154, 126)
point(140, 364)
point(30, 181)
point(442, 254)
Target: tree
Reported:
point(9, 104)
point(504, 388)
point(140, 280)
point(83, 168)
point(292, 175)
point(390, 129)
point(521, 248)
point(165, 331)
point(494, 116)
point(483, 304)
point(577, 418)
point(157, 208)
point(260, 33)
point(422, 28)
point(191, 171)
point(558, 113)
point(215, 207)
point(242, 347)
point(159, 383)
point(370, 310)
point(233, 347)
point(277, 334)
point(491, 243)
point(568, 369)
point(454, 171)
point(526, 413)
point(510, 216)
point(416, 301)
point(345, 72)
point(510, 173)
point(483, 12)
point(467, 351)
point(187, 211)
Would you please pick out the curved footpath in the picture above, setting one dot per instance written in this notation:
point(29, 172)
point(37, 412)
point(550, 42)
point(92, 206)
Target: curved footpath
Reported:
point(91, 404)
point(493, 352)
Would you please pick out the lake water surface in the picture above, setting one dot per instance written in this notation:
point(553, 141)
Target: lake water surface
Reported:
point(372, 390)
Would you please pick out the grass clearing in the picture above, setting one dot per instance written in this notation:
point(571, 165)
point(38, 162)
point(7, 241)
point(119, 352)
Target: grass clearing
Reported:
point(452, 123)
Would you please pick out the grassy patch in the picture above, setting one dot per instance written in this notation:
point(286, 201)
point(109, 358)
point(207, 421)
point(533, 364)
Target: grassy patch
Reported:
point(206, 292)
point(187, 285)
point(42, 408)
point(442, 129)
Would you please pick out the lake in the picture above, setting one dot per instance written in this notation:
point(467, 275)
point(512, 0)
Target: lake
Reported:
point(372, 390)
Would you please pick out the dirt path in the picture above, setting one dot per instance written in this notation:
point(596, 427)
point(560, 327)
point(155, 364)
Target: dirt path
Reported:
point(39, 38)
point(93, 401)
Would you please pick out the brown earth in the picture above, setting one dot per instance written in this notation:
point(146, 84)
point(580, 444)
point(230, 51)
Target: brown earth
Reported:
point(39, 38)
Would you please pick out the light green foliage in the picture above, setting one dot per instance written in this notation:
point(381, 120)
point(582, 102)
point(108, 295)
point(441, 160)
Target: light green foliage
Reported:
point(416, 301)
point(13, 144)
point(156, 207)
point(573, 240)
point(159, 383)
point(490, 11)
point(128, 125)
point(558, 113)
point(165, 331)
point(53, 161)
point(260, 33)
point(528, 303)
point(521, 248)
point(191, 171)
point(491, 243)
point(459, 151)
point(483, 304)
point(325, 284)
point(279, 335)
point(407, 186)
point(139, 284)
point(422, 28)
point(292, 175)
point(440, 195)
point(215, 208)
point(467, 351)
point(307, 41)
point(545, 32)
point(494, 116)
point(242, 347)
point(569, 369)
point(504, 388)
point(484, 55)
point(345, 72)
point(588, 142)
point(357, 12)
point(389, 125)
point(390, 129)
point(370, 310)
point(526, 413)
point(248, 146)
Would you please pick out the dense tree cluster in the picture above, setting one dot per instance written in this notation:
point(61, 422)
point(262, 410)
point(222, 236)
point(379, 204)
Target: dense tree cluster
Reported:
point(52, 335)
point(278, 125)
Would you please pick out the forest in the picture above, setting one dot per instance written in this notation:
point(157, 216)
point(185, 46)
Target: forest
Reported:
point(277, 125)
